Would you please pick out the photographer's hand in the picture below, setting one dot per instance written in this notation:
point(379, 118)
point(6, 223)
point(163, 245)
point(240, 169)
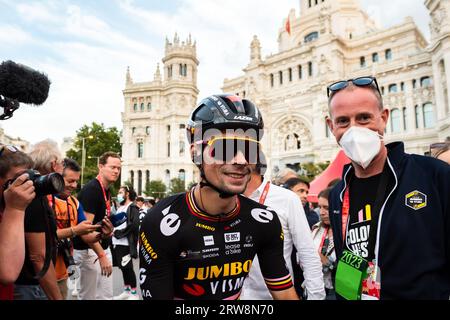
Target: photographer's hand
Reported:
point(107, 228)
point(19, 194)
point(85, 227)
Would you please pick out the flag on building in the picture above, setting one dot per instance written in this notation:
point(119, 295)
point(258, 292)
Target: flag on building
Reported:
point(288, 26)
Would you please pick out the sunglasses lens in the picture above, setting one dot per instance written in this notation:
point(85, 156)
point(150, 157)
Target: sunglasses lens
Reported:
point(224, 150)
point(338, 86)
point(363, 81)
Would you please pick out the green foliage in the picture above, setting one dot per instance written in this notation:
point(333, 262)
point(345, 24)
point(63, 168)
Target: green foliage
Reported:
point(309, 171)
point(191, 185)
point(155, 189)
point(177, 186)
point(104, 139)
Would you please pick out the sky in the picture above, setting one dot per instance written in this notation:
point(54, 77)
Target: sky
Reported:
point(85, 47)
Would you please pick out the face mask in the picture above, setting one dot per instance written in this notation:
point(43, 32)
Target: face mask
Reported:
point(361, 145)
point(120, 198)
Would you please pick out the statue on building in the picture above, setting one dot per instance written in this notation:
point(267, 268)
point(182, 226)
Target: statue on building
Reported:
point(255, 50)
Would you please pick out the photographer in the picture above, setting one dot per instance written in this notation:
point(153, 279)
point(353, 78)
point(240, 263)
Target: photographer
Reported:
point(71, 222)
point(13, 202)
point(37, 280)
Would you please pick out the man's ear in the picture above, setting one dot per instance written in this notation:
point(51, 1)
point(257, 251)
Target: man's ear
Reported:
point(196, 154)
point(329, 123)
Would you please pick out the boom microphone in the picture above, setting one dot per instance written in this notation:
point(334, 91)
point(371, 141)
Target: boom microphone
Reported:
point(21, 83)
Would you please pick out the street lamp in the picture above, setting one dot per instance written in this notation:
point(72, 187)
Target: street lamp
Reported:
point(83, 156)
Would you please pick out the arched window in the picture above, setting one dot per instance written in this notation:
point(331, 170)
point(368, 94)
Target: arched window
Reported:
point(149, 106)
point(185, 70)
point(142, 106)
point(147, 130)
point(182, 175)
point(388, 54)
point(139, 189)
point(271, 80)
point(428, 115)
point(300, 73)
point(290, 74)
point(135, 107)
point(280, 75)
point(140, 150)
point(393, 88)
point(396, 121)
point(311, 37)
point(425, 82)
point(132, 178)
point(362, 62)
point(375, 57)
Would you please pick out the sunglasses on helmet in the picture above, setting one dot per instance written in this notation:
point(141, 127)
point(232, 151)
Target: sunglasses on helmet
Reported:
point(360, 82)
point(225, 149)
point(8, 148)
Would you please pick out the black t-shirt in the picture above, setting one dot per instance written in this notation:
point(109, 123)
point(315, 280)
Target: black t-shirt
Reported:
point(93, 201)
point(187, 254)
point(38, 219)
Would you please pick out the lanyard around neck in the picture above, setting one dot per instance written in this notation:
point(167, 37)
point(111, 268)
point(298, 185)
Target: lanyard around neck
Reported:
point(263, 197)
point(107, 202)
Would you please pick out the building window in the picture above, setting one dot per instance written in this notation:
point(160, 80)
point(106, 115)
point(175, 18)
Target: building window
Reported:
point(418, 110)
point(149, 106)
point(182, 126)
point(428, 115)
point(393, 88)
point(182, 175)
point(280, 75)
point(414, 83)
point(388, 54)
point(142, 107)
point(362, 62)
point(402, 86)
point(271, 79)
point(311, 37)
point(425, 82)
point(139, 190)
point(135, 107)
point(310, 69)
point(140, 146)
point(168, 128)
point(169, 71)
point(309, 3)
point(375, 57)
point(396, 121)
point(133, 130)
point(405, 119)
point(147, 176)
point(168, 149)
point(290, 74)
point(300, 73)
point(132, 178)
point(182, 148)
point(147, 130)
point(382, 90)
point(181, 69)
point(167, 178)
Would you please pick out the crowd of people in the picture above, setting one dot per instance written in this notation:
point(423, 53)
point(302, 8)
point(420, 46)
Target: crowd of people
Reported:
point(380, 232)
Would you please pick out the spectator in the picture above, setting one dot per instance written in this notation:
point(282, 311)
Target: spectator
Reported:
point(301, 188)
point(125, 241)
point(323, 241)
point(96, 263)
point(441, 151)
point(284, 175)
point(14, 200)
point(391, 212)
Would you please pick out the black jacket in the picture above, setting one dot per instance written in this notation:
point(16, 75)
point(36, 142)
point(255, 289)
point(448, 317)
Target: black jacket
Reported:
point(414, 227)
point(131, 231)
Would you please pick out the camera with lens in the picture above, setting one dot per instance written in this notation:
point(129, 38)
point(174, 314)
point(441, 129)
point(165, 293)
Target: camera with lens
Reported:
point(64, 247)
point(52, 183)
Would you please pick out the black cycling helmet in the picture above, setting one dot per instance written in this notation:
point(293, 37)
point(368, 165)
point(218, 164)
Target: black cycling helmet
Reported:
point(225, 111)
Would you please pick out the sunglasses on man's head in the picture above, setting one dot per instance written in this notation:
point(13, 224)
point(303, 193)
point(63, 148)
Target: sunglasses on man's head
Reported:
point(225, 149)
point(360, 82)
point(8, 148)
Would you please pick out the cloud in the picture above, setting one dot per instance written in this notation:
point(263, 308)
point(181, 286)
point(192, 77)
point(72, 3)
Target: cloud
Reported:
point(12, 35)
point(37, 12)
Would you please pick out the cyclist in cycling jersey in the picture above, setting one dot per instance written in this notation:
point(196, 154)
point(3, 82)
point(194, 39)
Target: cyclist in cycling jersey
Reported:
point(201, 244)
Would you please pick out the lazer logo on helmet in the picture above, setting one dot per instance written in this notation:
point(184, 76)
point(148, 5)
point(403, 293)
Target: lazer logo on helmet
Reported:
point(244, 118)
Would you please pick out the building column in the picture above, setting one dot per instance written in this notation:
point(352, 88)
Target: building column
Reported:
point(438, 91)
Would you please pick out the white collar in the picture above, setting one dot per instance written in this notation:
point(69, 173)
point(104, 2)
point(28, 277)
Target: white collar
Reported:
point(258, 192)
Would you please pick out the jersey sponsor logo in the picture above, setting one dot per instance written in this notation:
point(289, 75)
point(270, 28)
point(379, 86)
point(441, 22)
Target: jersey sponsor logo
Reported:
point(148, 248)
point(214, 272)
point(209, 240)
point(232, 225)
point(194, 289)
point(233, 249)
point(227, 285)
point(146, 293)
point(204, 226)
point(248, 241)
point(416, 200)
point(232, 237)
point(262, 215)
point(170, 223)
point(142, 276)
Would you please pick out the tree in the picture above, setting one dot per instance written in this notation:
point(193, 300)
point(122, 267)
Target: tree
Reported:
point(311, 170)
point(104, 139)
point(177, 186)
point(155, 189)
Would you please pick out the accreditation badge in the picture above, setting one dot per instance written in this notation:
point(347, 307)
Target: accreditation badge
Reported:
point(371, 285)
point(350, 273)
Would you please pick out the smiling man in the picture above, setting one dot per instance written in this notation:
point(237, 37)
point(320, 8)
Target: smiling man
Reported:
point(390, 214)
point(201, 244)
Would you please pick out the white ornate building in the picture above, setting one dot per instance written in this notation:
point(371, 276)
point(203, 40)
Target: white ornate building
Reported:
point(23, 145)
point(331, 40)
point(154, 145)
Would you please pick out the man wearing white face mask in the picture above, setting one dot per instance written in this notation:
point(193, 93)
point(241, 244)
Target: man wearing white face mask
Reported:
point(390, 214)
